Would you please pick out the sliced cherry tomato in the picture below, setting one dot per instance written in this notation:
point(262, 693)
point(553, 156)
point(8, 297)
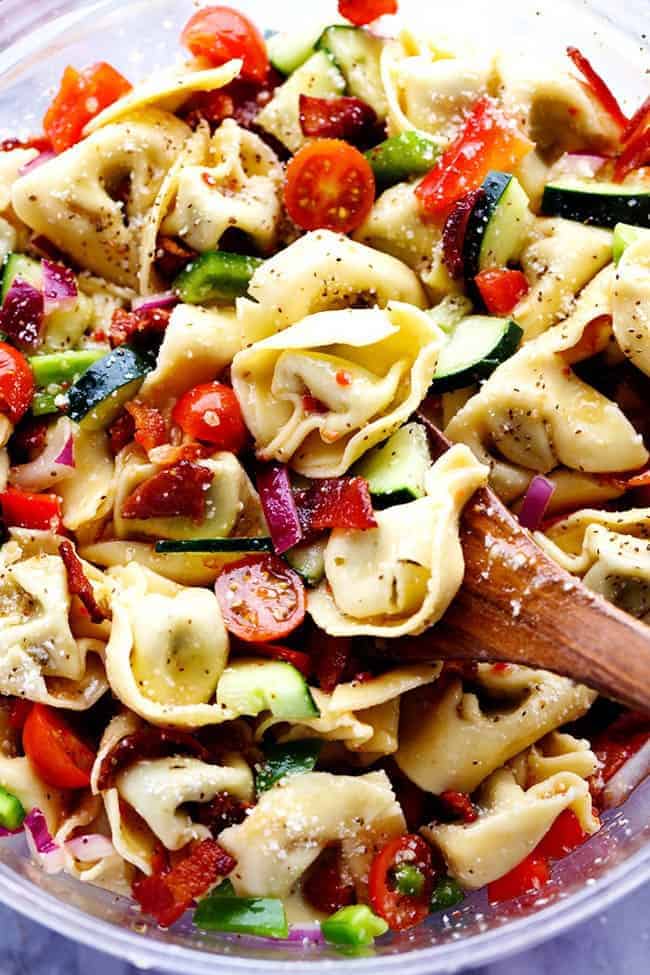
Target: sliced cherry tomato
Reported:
point(211, 413)
point(489, 140)
point(261, 598)
point(336, 502)
point(401, 911)
point(362, 12)
point(530, 875)
point(16, 383)
point(329, 185)
point(501, 289)
point(19, 712)
point(220, 34)
point(301, 661)
point(599, 89)
point(176, 491)
point(81, 96)
point(337, 118)
point(324, 886)
point(150, 429)
point(566, 834)
point(60, 757)
point(21, 509)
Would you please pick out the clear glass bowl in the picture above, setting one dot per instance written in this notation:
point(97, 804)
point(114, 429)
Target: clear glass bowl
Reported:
point(39, 37)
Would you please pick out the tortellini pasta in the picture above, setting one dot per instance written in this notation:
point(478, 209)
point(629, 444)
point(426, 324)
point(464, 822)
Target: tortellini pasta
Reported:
point(453, 740)
point(322, 271)
point(511, 823)
point(167, 649)
point(296, 819)
point(390, 580)
point(367, 370)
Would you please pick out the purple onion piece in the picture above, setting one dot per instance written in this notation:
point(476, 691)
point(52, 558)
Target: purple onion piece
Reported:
point(279, 506)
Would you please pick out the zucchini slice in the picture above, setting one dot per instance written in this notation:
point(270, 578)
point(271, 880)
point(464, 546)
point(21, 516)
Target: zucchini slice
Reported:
point(319, 77)
point(287, 52)
point(20, 266)
point(242, 545)
point(249, 687)
point(308, 561)
point(600, 204)
point(497, 226)
point(357, 53)
point(98, 397)
point(215, 276)
point(478, 345)
point(396, 470)
point(402, 156)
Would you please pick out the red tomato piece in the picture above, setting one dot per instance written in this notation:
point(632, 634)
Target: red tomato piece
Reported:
point(150, 429)
point(336, 118)
point(211, 413)
point(81, 96)
point(336, 502)
point(362, 12)
point(19, 712)
point(460, 804)
point(401, 911)
point(599, 89)
point(325, 887)
point(261, 598)
point(489, 140)
point(167, 895)
point(78, 584)
point(220, 34)
point(16, 383)
point(126, 324)
point(530, 875)
point(60, 757)
point(301, 661)
point(329, 185)
point(176, 491)
point(501, 289)
point(566, 834)
point(453, 234)
point(21, 509)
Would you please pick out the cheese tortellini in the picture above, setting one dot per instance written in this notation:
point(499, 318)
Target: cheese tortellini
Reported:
point(323, 391)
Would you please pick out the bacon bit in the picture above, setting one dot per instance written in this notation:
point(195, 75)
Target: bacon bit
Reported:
point(178, 491)
point(455, 228)
point(78, 584)
point(336, 502)
point(599, 88)
point(173, 256)
point(121, 432)
point(126, 324)
point(223, 811)
point(325, 885)
point(145, 744)
point(343, 378)
point(460, 804)
point(166, 896)
point(312, 405)
point(149, 424)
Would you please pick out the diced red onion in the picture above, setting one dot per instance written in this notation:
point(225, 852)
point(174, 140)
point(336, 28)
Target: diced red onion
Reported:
point(279, 506)
point(90, 848)
point(21, 315)
point(37, 161)
point(628, 777)
point(536, 501)
point(39, 839)
point(581, 165)
point(165, 299)
point(54, 464)
point(59, 286)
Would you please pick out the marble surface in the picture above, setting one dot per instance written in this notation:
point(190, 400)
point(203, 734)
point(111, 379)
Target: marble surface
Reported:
point(616, 943)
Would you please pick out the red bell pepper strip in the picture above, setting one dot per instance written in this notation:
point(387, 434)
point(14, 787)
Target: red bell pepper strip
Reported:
point(489, 140)
point(336, 502)
point(599, 88)
point(501, 289)
point(21, 509)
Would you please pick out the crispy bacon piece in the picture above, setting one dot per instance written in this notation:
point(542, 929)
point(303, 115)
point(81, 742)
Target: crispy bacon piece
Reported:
point(121, 432)
point(172, 256)
point(325, 886)
point(126, 324)
point(223, 811)
point(179, 490)
point(147, 743)
point(460, 804)
point(78, 584)
point(150, 429)
point(166, 896)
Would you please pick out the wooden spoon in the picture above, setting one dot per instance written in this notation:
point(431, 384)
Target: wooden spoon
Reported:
point(517, 605)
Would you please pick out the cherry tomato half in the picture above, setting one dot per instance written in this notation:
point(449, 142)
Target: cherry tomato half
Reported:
point(81, 96)
point(16, 383)
point(261, 598)
point(220, 34)
point(211, 413)
point(401, 911)
point(362, 12)
point(329, 185)
point(61, 758)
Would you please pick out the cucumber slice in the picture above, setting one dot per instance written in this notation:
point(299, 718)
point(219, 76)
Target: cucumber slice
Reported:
point(308, 561)
point(402, 156)
point(12, 811)
point(98, 396)
point(497, 227)
point(478, 345)
point(63, 367)
point(20, 266)
point(600, 204)
point(396, 470)
point(249, 687)
point(288, 51)
point(215, 545)
point(357, 53)
point(319, 77)
point(624, 236)
point(215, 276)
